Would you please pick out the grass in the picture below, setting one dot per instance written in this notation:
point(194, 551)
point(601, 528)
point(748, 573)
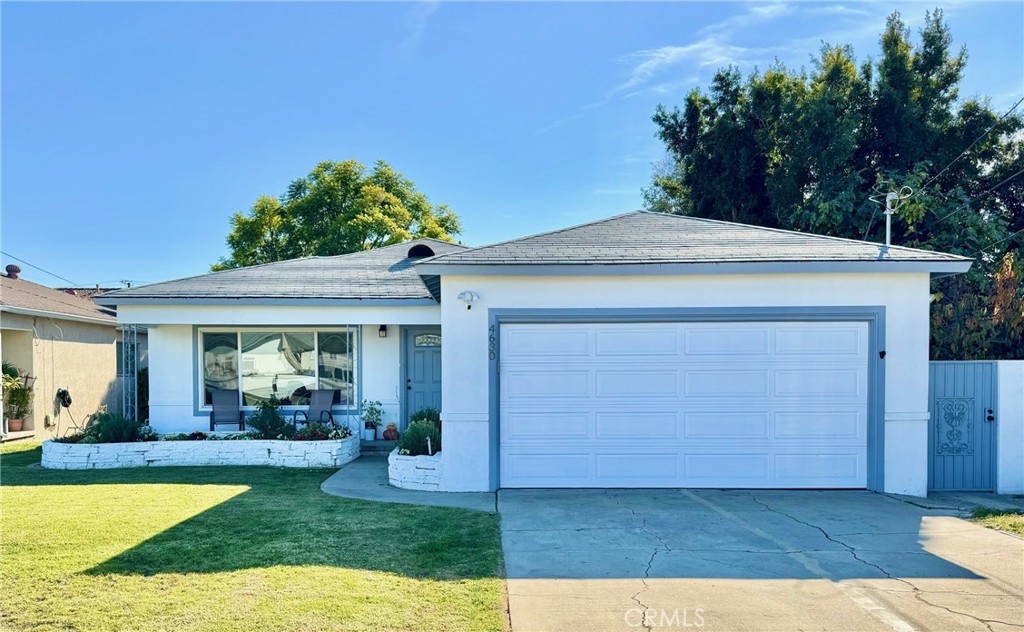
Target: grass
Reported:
point(233, 548)
point(1002, 519)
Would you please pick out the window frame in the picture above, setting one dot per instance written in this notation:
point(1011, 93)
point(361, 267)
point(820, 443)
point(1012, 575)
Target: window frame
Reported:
point(356, 331)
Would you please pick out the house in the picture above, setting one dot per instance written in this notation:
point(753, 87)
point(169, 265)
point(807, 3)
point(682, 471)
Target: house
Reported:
point(642, 350)
point(58, 341)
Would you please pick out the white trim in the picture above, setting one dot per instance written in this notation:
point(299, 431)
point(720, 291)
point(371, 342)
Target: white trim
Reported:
point(24, 311)
point(720, 267)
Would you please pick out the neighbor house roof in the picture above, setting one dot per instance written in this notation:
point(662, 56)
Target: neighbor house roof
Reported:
point(19, 296)
point(649, 238)
point(378, 275)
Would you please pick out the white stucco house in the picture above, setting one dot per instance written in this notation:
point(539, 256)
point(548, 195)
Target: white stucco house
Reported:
point(643, 350)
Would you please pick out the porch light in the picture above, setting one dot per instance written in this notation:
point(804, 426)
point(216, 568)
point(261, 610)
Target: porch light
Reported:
point(383, 331)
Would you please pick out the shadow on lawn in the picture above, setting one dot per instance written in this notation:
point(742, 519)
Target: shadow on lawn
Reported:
point(283, 519)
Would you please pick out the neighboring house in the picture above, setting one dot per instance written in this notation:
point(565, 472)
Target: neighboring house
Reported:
point(643, 350)
point(61, 341)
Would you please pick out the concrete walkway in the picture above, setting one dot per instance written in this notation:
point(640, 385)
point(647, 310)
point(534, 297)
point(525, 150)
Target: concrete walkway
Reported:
point(366, 478)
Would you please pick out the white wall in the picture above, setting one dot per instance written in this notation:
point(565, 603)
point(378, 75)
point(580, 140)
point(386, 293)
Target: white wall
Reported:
point(172, 374)
point(465, 378)
point(1010, 427)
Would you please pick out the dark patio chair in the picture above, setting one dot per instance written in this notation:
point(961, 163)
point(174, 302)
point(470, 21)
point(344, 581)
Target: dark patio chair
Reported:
point(320, 403)
point(226, 410)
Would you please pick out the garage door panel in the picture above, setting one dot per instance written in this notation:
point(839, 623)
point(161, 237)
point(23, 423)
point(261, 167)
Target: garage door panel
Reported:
point(718, 424)
point(727, 341)
point(546, 383)
point(640, 466)
point(542, 426)
point(637, 342)
point(637, 383)
point(672, 405)
point(830, 341)
point(731, 383)
point(619, 424)
point(803, 425)
point(544, 342)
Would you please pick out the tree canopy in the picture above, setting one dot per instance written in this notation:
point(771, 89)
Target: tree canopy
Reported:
point(338, 208)
point(805, 150)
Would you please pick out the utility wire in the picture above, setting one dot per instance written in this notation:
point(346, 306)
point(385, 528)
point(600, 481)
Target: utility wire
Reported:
point(978, 197)
point(971, 146)
point(31, 265)
point(999, 241)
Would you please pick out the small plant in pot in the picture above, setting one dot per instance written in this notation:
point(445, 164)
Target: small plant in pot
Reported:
point(372, 416)
point(17, 398)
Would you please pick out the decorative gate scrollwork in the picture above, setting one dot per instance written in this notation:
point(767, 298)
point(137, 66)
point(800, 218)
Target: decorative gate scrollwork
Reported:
point(954, 425)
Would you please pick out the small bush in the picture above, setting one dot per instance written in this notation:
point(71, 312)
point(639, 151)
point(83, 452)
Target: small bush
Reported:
point(177, 436)
point(413, 440)
point(432, 415)
point(107, 427)
point(269, 423)
point(320, 432)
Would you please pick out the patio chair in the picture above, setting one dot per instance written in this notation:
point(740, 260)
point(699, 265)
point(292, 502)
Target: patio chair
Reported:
point(320, 403)
point(226, 409)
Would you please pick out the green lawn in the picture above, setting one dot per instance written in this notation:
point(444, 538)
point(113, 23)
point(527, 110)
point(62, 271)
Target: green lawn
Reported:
point(1002, 519)
point(233, 548)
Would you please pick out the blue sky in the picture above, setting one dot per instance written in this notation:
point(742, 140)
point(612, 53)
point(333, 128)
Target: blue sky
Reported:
point(132, 131)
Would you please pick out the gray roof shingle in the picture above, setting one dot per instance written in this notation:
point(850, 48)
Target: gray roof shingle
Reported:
point(380, 274)
point(645, 237)
point(22, 294)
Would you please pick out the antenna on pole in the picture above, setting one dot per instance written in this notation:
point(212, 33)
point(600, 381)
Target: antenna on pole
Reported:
point(893, 201)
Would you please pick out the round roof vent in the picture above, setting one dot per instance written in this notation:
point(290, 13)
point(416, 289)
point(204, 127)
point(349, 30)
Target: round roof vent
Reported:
point(420, 251)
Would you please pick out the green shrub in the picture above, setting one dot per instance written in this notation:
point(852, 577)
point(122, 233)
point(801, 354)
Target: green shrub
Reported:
point(269, 423)
point(320, 432)
point(108, 427)
point(414, 440)
point(432, 415)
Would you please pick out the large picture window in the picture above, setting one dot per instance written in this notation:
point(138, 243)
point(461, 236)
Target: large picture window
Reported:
point(285, 364)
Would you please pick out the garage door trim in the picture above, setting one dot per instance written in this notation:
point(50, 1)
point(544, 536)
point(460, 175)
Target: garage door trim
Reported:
point(873, 315)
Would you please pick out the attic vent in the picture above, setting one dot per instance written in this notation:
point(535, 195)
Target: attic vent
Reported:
point(419, 251)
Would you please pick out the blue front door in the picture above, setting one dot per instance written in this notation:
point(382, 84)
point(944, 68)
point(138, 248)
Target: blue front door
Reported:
point(422, 369)
point(962, 428)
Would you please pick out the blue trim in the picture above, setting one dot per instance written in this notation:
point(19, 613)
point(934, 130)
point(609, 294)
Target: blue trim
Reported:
point(199, 409)
point(874, 315)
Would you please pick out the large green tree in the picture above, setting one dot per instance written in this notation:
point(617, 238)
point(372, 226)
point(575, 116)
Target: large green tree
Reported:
point(806, 150)
point(338, 208)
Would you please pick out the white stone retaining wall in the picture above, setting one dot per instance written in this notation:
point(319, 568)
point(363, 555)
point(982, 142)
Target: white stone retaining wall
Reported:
point(88, 456)
point(415, 472)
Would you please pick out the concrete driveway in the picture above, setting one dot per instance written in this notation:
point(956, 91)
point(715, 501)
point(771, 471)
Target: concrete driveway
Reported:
point(760, 560)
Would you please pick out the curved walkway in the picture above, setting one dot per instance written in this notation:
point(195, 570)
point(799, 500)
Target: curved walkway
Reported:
point(366, 478)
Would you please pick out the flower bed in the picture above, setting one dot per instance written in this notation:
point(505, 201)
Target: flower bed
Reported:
point(282, 453)
point(414, 472)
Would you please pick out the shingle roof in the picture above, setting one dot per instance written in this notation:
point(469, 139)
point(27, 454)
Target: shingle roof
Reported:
point(645, 237)
point(21, 294)
point(379, 274)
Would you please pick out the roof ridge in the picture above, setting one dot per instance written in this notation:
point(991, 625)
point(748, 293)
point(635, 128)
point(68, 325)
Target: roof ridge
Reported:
point(796, 232)
point(540, 234)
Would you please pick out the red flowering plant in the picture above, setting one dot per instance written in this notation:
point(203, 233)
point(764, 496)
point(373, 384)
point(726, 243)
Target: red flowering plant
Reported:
point(320, 432)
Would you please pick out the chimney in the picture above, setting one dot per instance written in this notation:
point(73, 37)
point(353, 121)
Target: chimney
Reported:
point(12, 271)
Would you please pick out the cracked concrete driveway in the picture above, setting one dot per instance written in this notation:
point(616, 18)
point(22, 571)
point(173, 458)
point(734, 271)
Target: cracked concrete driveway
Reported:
point(752, 560)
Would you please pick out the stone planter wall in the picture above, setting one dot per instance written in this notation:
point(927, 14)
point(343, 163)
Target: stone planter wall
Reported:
point(88, 456)
point(415, 472)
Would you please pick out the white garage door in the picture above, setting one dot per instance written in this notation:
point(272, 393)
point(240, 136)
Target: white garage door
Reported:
point(745, 404)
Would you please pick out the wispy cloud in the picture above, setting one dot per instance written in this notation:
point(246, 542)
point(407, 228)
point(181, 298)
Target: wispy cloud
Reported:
point(416, 23)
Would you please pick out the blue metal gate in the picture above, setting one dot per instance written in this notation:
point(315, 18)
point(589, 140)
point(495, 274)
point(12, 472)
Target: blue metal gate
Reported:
point(962, 429)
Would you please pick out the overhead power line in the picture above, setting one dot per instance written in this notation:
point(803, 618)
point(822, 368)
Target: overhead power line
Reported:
point(978, 197)
point(32, 265)
point(971, 146)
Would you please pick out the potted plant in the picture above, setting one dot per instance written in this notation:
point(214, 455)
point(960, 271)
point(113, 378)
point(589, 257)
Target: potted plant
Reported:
point(372, 415)
point(17, 402)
